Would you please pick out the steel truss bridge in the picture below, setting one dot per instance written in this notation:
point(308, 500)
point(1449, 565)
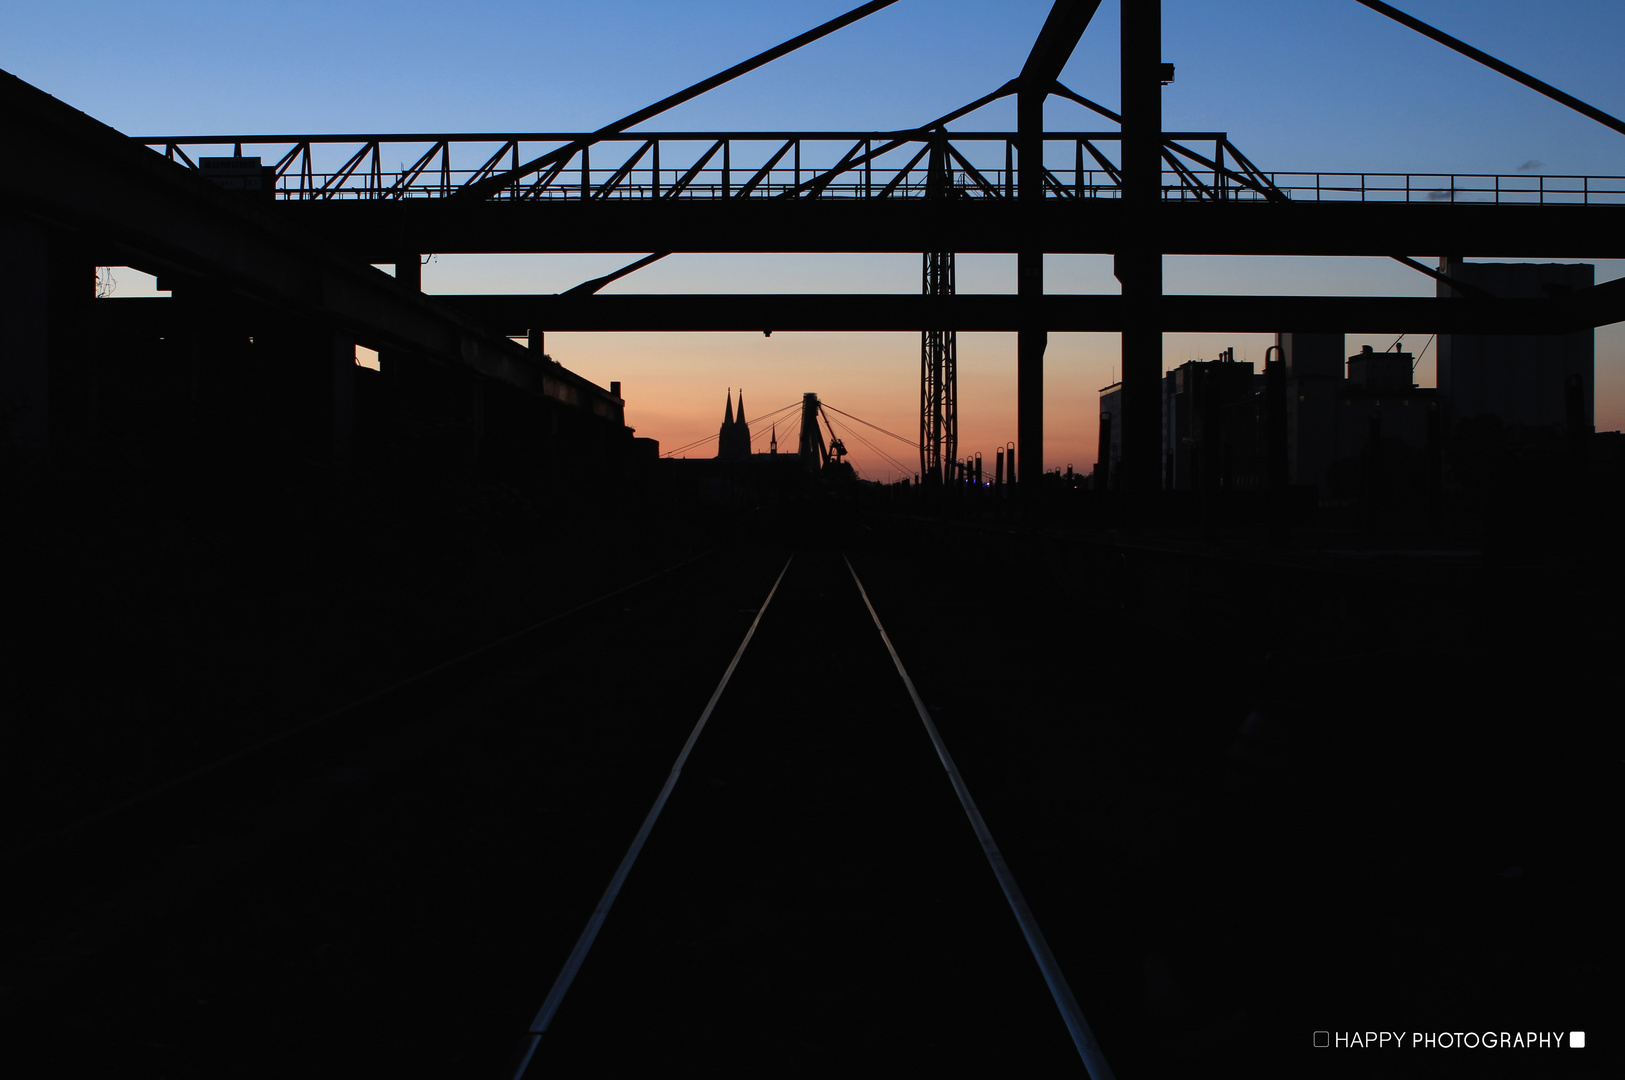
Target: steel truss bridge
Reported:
point(1137, 192)
point(831, 165)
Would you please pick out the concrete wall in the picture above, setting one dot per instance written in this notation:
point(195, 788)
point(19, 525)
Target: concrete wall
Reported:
point(1518, 378)
point(1314, 370)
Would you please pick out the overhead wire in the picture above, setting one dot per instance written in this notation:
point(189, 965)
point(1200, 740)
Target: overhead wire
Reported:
point(1417, 360)
point(909, 442)
point(687, 446)
point(891, 461)
point(775, 412)
point(1424, 352)
point(765, 422)
point(887, 458)
point(774, 416)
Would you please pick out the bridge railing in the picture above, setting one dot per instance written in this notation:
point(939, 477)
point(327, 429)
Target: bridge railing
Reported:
point(825, 165)
point(1515, 188)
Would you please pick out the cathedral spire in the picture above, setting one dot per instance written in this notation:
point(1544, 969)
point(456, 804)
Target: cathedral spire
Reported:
point(741, 406)
point(728, 417)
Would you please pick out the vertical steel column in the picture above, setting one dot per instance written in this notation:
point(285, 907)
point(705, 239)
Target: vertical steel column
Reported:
point(1139, 264)
point(1031, 337)
point(393, 363)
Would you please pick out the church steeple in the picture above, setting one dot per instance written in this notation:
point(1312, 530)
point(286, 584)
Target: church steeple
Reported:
point(733, 439)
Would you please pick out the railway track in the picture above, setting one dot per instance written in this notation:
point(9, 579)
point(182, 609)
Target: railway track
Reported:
point(823, 893)
point(814, 894)
point(449, 836)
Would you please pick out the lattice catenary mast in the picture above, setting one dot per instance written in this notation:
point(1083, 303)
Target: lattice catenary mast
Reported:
point(939, 381)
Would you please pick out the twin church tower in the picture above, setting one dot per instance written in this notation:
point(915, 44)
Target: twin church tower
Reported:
point(733, 440)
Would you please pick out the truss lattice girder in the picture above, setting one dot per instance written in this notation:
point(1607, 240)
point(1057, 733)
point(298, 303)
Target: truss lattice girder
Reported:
point(848, 164)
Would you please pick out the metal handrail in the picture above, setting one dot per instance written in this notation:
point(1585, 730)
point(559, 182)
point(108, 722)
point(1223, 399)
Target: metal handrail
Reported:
point(1094, 183)
point(849, 165)
point(1453, 188)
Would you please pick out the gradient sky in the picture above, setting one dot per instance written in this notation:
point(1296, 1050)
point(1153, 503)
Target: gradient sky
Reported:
point(1299, 84)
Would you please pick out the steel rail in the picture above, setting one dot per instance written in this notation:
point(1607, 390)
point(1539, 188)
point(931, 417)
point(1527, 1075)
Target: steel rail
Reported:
point(589, 933)
point(1083, 1037)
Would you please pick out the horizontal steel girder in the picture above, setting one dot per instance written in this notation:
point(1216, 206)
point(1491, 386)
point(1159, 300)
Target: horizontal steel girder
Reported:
point(380, 230)
point(1058, 313)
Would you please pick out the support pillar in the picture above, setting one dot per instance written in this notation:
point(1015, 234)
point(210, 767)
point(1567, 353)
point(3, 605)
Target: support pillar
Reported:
point(476, 419)
point(1032, 338)
point(192, 303)
point(72, 290)
point(392, 362)
point(1141, 439)
point(320, 374)
point(24, 334)
point(409, 270)
point(340, 385)
point(1031, 342)
point(1139, 266)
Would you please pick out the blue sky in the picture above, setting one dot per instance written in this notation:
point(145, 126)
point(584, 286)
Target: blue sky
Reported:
point(1299, 85)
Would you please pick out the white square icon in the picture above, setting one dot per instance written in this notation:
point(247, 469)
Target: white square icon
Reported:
point(1577, 1040)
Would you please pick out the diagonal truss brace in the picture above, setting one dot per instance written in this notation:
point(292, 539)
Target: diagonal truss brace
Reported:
point(494, 184)
point(1491, 62)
